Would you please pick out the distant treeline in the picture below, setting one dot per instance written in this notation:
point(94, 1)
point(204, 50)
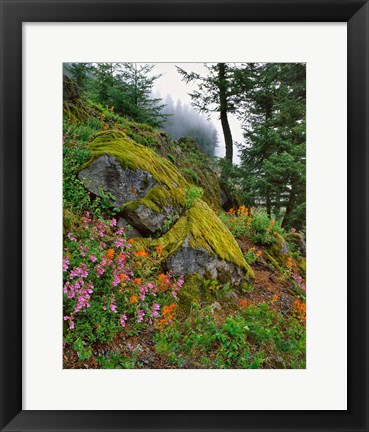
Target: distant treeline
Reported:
point(183, 120)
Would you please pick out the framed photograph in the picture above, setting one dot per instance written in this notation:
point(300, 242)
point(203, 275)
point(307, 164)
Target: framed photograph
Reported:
point(184, 215)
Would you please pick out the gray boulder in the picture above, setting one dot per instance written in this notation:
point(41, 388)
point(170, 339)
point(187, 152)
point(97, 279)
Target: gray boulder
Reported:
point(187, 260)
point(106, 174)
point(149, 221)
point(129, 230)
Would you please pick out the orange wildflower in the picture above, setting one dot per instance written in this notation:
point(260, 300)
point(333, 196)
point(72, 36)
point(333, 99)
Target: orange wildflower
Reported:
point(133, 299)
point(159, 249)
point(137, 281)
point(131, 241)
point(162, 280)
point(259, 253)
point(243, 303)
point(300, 309)
point(168, 314)
point(122, 277)
point(141, 253)
point(110, 253)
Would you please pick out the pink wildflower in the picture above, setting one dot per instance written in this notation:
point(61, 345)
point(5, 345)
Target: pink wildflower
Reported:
point(65, 264)
point(155, 310)
point(123, 320)
point(140, 315)
point(71, 237)
point(119, 243)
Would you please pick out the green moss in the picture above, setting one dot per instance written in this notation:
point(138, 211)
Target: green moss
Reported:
point(190, 292)
point(272, 260)
point(133, 156)
point(157, 198)
point(195, 290)
point(75, 112)
point(279, 250)
point(204, 230)
point(302, 267)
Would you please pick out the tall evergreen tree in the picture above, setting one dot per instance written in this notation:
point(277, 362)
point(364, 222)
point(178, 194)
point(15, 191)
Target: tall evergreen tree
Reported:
point(128, 87)
point(81, 73)
point(136, 85)
point(216, 92)
point(273, 158)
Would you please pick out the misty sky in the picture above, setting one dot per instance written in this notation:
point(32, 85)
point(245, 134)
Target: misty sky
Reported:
point(170, 83)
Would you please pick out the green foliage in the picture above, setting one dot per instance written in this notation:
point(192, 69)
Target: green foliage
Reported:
point(75, 154)
point(242, 340)
point(192, 194)
point(83, 351)
point(81, 73)
point(74, 192)
point(254, 224)
point(117, 360)
point(171, 158)
point(106, 289)
point(250, 256)
point(192, 174)
point(274, 154)
point(127, 87)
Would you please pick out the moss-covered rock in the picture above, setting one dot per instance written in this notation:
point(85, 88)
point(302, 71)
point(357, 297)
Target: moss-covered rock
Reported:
point(147, 187)
point(279, 250)
point(301, 262)
point(297, 241)
point(152, 196)
point(194, 291)
point(157, 211)
point(200, 243)
point(135, 156)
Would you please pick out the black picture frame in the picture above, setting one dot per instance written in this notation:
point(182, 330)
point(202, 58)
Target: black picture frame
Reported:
point(13, 14)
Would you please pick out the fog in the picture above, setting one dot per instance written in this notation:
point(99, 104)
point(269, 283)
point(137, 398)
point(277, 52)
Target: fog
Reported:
point(170, 83)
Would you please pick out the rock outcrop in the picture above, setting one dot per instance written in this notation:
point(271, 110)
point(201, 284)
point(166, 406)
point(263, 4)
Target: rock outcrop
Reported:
point(106, 174)
point(151, 195)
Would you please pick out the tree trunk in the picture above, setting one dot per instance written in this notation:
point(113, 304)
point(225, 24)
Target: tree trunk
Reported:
point(268, 205)
point(223, 112)
point(289, 208)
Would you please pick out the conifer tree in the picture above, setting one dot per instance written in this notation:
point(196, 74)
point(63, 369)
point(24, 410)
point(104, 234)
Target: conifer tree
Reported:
point(216, 92)
point(273, 157)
